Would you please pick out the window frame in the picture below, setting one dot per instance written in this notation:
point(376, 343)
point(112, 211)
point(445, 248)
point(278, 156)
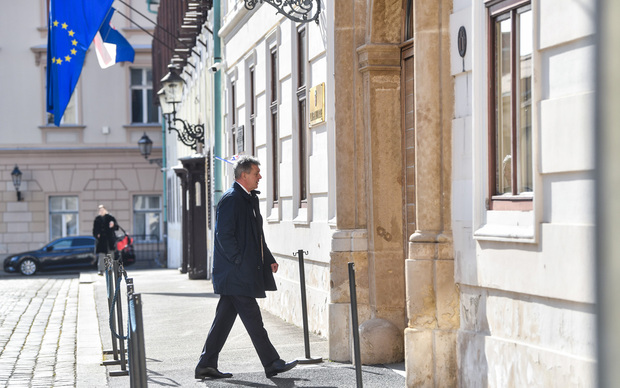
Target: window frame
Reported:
point(273, 81)
point(63, 212)
point(72, 104)
point(506, 9)
point(135, 212)
point(146, 89)
point(252, 110)
point(233, 117)
point(302, 120)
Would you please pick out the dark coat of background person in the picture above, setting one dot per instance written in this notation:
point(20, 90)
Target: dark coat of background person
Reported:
point(237, 251)
point(107, 237)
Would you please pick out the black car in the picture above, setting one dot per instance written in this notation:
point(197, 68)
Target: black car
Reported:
point(66, 252)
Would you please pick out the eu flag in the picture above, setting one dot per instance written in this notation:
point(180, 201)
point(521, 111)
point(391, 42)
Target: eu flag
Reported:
point(72, 25)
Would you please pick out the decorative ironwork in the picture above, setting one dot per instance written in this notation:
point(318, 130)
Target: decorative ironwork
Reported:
point(301, 11)
point(190, 135)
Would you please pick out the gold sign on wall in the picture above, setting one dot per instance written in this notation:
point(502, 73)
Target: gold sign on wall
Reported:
point(317, 104)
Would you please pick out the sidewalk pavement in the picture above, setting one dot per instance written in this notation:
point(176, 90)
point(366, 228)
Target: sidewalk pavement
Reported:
point(177, 314)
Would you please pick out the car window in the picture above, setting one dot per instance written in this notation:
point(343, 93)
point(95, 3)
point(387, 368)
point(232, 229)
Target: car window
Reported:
point(62, 244)
point(81, 242)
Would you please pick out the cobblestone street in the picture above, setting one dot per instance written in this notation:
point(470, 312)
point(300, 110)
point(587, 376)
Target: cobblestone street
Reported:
point(38, 330)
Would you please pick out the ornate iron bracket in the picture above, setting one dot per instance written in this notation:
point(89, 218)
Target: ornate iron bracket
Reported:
point(301, 11)
point(190, 135)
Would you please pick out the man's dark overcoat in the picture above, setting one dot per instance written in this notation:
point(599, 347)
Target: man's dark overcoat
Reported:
point(241, 259)
point(107, 237)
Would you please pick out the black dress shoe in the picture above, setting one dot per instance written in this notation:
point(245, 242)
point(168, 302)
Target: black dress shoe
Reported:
point(279, 366)
point(203, 373)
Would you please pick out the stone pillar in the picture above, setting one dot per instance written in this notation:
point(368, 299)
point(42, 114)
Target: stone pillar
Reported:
point(432, 297)
point(381, 338)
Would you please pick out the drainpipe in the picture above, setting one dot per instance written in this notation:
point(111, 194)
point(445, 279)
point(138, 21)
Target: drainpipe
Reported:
point(218, 167)
point(164, 172)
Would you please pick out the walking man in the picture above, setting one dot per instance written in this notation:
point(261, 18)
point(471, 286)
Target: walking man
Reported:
point(243, 270)
point(104, 228)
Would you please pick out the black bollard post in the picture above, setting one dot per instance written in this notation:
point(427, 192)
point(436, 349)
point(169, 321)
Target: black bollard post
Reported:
point(119, 315)
point(304, 310)
point(137, 355)
point(109, 279)
point(355, 326)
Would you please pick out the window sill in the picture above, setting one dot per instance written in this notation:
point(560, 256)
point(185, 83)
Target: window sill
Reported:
point(142, 125)
point(302, 217)
point(274, 215)
point(509, 226)
point(67, 133)
point(512, 233)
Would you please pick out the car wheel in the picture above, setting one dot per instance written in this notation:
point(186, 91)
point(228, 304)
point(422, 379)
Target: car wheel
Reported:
point(28, 267)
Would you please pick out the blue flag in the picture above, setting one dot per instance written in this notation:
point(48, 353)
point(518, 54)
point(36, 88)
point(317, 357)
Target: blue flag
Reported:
point(72, 25)
point(112, 47)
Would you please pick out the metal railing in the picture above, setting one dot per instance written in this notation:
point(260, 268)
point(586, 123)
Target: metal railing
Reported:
point(149, 250)
point(135, 357)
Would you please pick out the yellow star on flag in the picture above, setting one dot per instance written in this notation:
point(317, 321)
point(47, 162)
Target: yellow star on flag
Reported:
point(67, 59)
point(64, 26)
point(71, 33)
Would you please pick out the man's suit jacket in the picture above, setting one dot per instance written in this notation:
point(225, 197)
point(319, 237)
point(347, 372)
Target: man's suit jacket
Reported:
point(241, 259)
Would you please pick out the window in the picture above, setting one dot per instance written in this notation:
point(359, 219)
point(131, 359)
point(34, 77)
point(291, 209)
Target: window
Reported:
point(301, 112)
point(237, 142)
point(70, 117)
point(142, 109)
point(61, 245)
point(147, 217)
point(510, 113)
point(275, 135)
point(408, 25)
point(252, 112)
point(63, 216)
point(83, 242)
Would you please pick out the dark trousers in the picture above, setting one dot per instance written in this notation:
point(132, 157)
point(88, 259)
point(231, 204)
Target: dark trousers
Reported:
point(227, 309)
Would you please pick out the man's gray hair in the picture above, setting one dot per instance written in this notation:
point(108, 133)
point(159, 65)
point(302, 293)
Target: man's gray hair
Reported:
point(244, 164)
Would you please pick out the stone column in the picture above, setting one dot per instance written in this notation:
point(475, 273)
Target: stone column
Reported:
point(432, 297)
point(381, 336)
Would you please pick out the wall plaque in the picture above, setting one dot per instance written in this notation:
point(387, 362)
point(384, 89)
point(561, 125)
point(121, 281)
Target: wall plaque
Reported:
point(316, 102)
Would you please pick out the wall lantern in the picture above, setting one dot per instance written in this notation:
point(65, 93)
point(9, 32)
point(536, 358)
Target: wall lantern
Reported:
point(17, 181)
point(145, 144)
point(301, 11)
point(170, 95)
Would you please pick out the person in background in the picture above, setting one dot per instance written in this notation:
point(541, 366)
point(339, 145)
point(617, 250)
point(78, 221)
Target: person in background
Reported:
point(104, 228)
point(243, 268)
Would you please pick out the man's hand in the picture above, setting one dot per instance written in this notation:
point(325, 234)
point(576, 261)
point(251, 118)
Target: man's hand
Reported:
point(111, 224)
point(274, 267)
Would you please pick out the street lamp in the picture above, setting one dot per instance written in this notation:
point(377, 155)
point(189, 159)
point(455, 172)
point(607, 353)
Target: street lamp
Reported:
point(17, 181)
point(297, 10)
point(145, 144)
point(170, 95)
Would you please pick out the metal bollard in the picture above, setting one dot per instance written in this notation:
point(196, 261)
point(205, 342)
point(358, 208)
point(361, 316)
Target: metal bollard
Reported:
point(109, 279)
point(137, 361)
point(137, 355)
point(304, 310)
point(355, 326)
point(119, 326)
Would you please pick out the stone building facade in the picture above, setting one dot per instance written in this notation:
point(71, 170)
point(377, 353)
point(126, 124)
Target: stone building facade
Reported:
point(524, 242)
